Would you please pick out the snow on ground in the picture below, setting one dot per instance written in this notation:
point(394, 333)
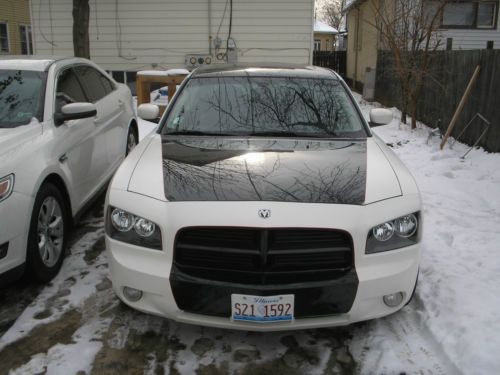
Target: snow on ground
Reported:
point(451, 326)
point(453, 323)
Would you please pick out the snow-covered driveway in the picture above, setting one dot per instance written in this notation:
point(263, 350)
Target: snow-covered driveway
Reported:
point(76, 324)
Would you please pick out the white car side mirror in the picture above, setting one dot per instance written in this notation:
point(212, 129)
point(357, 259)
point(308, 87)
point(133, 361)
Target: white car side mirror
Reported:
point(75, 111)
point(148, 112)
point(380, 116)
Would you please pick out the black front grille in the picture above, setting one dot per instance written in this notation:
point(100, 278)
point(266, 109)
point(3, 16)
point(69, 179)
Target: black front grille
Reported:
point(263, 256)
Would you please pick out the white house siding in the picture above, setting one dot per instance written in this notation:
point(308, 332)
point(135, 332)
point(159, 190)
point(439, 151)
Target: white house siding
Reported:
point(136, 35)
point(470, 39)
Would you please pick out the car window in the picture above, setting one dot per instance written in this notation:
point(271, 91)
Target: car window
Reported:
point(108, 85)
point(69, 89)
point(277, 106)
point(21, 97)
point(93, 83)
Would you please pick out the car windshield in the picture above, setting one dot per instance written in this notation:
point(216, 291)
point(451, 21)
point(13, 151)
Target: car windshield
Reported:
point(264, 106)
point(21, 97)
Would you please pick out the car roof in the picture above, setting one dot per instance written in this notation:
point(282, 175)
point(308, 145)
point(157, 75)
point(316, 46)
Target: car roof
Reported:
point(260, 70)
point(23, 62)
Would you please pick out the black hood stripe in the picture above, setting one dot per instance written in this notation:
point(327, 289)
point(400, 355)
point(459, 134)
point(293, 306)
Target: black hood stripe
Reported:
point(261, 170)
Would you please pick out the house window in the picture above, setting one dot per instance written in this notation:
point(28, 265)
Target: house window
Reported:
point(4, 37)
point(486, 13)
point(467, 14)
point(26, 39)
point(317, 44)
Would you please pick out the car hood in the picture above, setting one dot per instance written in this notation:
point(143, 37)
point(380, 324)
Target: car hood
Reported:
point(13, 143)
point(280, 170)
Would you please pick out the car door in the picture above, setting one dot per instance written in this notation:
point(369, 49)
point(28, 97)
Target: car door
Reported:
point(76, 142)
point(110, 108)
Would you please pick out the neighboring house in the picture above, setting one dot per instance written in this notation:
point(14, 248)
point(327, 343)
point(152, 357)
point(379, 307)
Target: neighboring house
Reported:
point(127, 36)
point(464, 25)
point(15, 28)
point(324, 36)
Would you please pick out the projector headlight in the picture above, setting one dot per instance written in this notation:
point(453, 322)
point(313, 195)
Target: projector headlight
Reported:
point(124, 226)
point(394, 234)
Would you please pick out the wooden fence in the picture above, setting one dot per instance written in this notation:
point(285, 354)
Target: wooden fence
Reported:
point(444, 86)
point(335, 60)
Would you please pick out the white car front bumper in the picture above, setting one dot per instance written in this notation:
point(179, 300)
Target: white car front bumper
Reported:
point(150, 270)
point(14, 226)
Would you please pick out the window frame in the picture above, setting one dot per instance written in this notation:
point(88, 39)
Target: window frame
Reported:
point(7, 36)
point(475, 25)
point(87, 95)
point(29, 37)
point(62, 70)
point(317, 44)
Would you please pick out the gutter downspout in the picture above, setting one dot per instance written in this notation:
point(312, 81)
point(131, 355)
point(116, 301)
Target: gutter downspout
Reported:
point(210, 27)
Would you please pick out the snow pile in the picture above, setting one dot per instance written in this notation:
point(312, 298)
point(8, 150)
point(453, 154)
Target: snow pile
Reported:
point(453, 323)
point(163, 73)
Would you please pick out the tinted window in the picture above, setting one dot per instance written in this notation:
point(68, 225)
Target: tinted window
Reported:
point(92, 82)
point(108, 85)
point(258, 105)
point(21, 97)
point(68, 90)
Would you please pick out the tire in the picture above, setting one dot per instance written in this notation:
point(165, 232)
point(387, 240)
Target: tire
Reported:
point(132, 140)
point(47, 235)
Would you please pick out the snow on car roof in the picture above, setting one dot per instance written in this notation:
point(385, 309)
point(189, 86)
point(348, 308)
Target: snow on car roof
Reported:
point(23, 62)
point(270, 69)
point(169, 72)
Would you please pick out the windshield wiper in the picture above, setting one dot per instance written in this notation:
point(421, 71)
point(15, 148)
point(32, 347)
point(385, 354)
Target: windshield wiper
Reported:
point(196, 132)
point(288, 134)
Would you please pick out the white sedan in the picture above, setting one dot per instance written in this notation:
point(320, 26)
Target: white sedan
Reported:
point(264, 202)
point(65, 127)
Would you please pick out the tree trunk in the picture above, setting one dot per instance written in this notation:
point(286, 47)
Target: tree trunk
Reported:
point(81, 13)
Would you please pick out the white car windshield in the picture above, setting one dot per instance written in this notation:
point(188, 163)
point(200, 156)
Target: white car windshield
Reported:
point(264, 106)
point(21, 97)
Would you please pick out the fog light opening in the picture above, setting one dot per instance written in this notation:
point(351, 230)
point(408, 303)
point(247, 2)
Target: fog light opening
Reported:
point(393, 300)
point(131, 294)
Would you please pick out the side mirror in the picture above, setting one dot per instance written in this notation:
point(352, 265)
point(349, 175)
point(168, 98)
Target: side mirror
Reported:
point(380, 116)
point(74, 111)
point(148, 112)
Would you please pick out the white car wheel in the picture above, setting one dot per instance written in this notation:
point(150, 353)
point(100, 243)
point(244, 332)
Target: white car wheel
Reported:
point(47, 235)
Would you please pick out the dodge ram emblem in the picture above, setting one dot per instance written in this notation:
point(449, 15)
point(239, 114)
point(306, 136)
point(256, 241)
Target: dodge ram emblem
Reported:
point(264, 213)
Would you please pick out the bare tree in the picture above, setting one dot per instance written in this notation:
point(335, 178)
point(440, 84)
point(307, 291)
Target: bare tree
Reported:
point(81, 14)
point(409, 30)
point(331, 12)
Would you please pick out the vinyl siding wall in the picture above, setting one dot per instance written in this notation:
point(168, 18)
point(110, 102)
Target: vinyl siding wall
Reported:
point(470, 39)
point(14, 13)
point(144, 34)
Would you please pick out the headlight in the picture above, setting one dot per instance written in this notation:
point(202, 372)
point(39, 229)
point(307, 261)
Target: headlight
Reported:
point(126, 227)
point(6, 186)
point(394, 234)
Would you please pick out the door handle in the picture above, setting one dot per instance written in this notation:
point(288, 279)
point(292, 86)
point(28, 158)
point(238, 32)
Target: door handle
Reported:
point(121, 103)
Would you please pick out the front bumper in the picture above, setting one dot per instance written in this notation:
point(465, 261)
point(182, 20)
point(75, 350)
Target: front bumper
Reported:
point(150, 270)
point(14, 226)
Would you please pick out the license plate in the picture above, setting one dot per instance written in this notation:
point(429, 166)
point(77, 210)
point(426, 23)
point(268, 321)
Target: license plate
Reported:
point(262, 308)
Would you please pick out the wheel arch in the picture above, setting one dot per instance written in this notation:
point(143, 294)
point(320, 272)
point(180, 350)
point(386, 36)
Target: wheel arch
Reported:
point(58, 182)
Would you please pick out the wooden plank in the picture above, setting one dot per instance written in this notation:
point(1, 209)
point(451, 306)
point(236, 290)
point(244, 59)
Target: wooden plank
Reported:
point(461, 106)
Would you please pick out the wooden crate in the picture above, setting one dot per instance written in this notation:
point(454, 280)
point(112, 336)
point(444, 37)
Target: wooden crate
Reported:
point(143, 86)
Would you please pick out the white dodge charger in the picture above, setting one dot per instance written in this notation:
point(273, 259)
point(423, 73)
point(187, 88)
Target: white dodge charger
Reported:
point(264, 202)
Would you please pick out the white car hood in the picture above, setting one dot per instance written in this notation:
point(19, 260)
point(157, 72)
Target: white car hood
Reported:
point(149, 175)
point(14, 143)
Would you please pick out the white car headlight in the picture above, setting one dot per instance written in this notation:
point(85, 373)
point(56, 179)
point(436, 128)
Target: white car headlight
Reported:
point(6, 186)
point(393, 234)
point(124, 226)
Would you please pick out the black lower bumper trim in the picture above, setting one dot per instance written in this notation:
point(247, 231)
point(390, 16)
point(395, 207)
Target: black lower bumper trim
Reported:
point(312, 299)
